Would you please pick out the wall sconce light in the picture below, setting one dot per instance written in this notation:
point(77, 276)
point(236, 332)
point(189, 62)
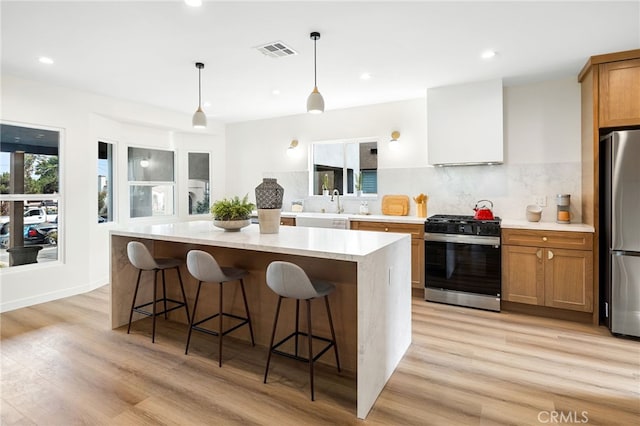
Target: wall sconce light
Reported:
point(144, 163)
point(393, 143)
point(293, 150)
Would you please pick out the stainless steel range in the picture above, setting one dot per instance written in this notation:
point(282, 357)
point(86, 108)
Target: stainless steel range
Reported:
point(463, 261)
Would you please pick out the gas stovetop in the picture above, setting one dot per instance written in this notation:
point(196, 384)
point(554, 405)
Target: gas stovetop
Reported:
point(458, 224)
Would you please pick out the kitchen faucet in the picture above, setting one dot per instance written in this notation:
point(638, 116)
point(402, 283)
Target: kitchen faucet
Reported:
point(337, 194)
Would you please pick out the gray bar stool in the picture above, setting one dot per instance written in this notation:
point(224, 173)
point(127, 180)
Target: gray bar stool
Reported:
point(288, 280)
point(204, 268)
point(140, 258)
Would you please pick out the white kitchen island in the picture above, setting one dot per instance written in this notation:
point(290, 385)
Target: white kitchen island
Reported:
point(371, 306)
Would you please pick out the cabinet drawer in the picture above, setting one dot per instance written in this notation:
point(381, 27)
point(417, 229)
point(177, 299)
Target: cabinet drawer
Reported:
point(552, 239)
point(288, 221)
point(416, 230)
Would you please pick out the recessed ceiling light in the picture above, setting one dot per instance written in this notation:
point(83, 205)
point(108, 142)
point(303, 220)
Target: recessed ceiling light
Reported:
point(193, 3)
point(365, 76)
point(275, 92)
point(45, 60)
point(488, 54)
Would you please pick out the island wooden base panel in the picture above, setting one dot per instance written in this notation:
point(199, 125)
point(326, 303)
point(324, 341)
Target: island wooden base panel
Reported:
point(63, 364)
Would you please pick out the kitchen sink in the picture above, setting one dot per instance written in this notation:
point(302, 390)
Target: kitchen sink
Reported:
point(323, 220)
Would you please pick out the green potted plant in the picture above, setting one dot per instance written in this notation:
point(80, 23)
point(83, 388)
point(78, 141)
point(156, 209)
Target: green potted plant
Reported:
point(358, 183)
point(325, 184)
point(232, 214)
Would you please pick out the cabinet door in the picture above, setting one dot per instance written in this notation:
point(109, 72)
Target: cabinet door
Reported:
point(619, 88)
point(569, 279)
point(523, 274)
point(417, 263)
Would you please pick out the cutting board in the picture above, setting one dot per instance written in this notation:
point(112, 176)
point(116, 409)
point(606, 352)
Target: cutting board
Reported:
point(395, 205)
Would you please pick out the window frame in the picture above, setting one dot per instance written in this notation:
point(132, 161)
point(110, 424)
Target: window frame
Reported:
point(113, 187)
point(345, 170)
point(58, 197)
point(210, 175)
point(173, 184)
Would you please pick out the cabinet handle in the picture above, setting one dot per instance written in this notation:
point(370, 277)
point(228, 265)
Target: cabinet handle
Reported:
point(281, 223)
point(549, 255)
point(539, 253)
point(386, 229)
point(544, 238)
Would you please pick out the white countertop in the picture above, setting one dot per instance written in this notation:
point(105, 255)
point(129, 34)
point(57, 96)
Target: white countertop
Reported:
point(546, 226)
point(361, 217)
point(340, 244)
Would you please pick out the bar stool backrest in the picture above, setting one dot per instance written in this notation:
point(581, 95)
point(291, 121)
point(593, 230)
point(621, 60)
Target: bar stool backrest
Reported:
point(204, 267)
point(289, 280)
point(140, 257)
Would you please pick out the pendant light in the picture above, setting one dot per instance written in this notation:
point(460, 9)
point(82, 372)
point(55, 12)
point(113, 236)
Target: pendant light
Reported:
point(199, 118)
point(315, 102)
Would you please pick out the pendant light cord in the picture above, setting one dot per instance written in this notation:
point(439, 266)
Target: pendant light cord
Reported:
point(199, 87)
point(315, 83)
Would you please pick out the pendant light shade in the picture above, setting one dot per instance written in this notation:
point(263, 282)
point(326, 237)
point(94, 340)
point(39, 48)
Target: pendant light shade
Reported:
point(199, 119)
point(315, 102)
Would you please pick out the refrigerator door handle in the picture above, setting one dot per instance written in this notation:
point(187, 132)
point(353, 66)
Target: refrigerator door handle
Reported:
point(625, 253)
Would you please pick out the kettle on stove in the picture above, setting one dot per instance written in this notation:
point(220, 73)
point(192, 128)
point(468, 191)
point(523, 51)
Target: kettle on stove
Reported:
point(482, 211)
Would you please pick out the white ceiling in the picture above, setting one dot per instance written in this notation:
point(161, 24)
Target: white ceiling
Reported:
point(145, 51)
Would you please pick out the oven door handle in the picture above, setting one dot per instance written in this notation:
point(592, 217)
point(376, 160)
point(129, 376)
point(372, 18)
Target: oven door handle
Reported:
point(462, 239)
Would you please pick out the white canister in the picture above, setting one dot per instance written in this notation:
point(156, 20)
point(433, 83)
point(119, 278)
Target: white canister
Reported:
point(364, 207)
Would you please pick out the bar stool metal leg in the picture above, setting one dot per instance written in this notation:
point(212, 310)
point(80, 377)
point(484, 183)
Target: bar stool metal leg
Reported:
point(220, 329)
point(297, 324)
point(133, 302)
point(333, 333)
point(164, 295)
point(310, 339)
point(193, 317)
point(153, 307)
point(273, 335)
point(246, 308)
point(184, 295)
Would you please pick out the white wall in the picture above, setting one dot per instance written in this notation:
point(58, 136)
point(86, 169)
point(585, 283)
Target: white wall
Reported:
point(542, 153)
point(260, 146)
point(85, 119)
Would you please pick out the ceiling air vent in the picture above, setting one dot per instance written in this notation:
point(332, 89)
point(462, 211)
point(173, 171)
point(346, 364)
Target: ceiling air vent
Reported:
point(276, 49)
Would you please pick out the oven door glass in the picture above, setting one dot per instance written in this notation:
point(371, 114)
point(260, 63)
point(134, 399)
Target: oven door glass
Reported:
point(470, 268)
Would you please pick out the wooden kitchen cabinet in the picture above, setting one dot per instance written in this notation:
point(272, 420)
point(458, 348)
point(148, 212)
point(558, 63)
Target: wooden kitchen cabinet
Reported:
point(288, 221)
point(619, 88)
point(417, 244)
point(609, 85)
point(548, 268)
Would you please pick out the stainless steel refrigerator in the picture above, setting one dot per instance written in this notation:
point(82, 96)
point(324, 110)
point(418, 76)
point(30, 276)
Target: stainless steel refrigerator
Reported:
point(620, 231)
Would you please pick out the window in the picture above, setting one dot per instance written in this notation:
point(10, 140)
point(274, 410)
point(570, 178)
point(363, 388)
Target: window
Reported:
point(341, 164)
point(198, 184)
point(105, 182)
point(151, 182)
point(29, 194)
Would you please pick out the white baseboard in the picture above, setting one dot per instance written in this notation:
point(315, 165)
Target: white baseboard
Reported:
point(54, 295)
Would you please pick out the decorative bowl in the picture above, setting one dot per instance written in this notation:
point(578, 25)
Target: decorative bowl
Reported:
point(231, 225)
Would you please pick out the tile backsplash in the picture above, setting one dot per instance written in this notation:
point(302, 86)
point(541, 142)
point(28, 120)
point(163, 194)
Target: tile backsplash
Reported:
point(455, 190)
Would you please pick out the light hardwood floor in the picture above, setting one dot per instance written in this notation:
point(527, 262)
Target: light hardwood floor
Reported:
point(63, 365)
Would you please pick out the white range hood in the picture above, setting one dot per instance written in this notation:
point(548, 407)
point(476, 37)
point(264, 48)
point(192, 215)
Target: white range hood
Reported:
point(464, 124)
